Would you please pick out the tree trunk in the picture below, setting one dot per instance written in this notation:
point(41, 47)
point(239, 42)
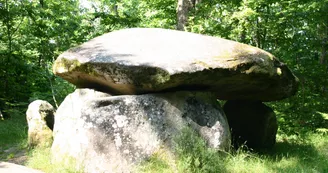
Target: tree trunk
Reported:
point(183, 8)
point(323, 56)
point(115, 9)
point(258, 34)
point(324, 45)
point(242, 36)
point(9, 48)
point(182, 14)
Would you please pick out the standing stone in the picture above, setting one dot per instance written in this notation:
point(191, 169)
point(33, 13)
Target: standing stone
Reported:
point(40, 119)
point(115, 133)
point(252, 123)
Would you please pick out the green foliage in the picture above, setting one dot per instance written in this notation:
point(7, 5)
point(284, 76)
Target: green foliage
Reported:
point(292, 153)
point(195, 156)
point(305, 112)
point(33, 38)
point(13, 131)
point(161, 161)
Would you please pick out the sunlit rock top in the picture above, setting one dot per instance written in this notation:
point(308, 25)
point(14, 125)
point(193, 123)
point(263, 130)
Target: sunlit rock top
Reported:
point(146, 60)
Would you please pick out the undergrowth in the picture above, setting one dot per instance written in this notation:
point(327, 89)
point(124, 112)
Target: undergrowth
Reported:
point(13, 131)
point(291, 154)
point(13, 135)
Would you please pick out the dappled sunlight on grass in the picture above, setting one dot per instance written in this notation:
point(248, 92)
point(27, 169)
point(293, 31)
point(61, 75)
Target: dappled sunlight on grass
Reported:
point(161, 161)
point(40, 158)
point(299, 155)
point(307, 153)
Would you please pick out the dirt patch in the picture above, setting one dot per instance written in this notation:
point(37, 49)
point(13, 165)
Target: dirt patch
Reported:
point(15, 154)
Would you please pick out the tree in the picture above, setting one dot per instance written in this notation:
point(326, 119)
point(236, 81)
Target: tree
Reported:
point(183, 8)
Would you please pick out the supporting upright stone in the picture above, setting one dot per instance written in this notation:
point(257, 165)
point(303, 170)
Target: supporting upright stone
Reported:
point(252, 123)
point(40, 119)
point(115, 133)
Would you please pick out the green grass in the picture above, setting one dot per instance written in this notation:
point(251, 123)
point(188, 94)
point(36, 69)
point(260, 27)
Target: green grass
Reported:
point(13, 135)
point(308, 154)
point(291, 154)
point(40, 158)
point(13, 130)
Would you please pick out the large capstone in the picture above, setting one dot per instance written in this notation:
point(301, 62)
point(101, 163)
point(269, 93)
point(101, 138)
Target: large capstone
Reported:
point(40, 119)
point(115, 133)
point(252, 123)
point(145, 60)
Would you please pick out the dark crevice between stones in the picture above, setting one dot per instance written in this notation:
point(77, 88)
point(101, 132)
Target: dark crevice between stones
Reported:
point(252, 123)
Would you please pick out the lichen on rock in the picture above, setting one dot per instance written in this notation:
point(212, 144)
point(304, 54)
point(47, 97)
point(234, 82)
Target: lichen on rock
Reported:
point(119, 132)
point(157, 60)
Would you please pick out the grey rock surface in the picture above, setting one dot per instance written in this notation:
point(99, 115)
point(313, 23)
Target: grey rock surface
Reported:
point(115, 133)
point(147, 60)
point(6, 167)
point(40, 120)
point(252, 123)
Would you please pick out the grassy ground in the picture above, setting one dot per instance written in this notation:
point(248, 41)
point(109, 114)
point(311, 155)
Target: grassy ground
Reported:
point(13, 137)
point(40, 158)
point(302, 146)
point(292, 154)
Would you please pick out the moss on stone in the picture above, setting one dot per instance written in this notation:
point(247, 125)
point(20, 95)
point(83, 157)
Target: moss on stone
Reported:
point(64, 66)
point(88, 69)
point(202, 63)
point(279, 72)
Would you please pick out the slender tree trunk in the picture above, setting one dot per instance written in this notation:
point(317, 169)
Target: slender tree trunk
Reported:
point(324, 44)
point(323, 56)
point(183, 8)
point(265, 28)
point(182, 13)
point(242, 36)
point(115, 9)
point(258, 33)
point(52, 91)
point(9, 47)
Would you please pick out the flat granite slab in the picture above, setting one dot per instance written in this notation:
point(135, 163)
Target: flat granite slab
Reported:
point(148, 60)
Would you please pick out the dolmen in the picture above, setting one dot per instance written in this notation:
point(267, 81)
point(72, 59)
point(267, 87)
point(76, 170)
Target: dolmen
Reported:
point(137, 89)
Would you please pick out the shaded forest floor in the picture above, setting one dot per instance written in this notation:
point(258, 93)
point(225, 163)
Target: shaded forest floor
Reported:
point(13, 143)
point(14, 154)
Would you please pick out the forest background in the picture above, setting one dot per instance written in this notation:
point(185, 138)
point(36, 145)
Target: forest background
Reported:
point(34, 32)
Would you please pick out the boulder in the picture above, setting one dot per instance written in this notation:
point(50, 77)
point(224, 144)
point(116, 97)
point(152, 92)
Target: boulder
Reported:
point(148, 60)
point(40, 120)
point(103, 133)
point(252, 123)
